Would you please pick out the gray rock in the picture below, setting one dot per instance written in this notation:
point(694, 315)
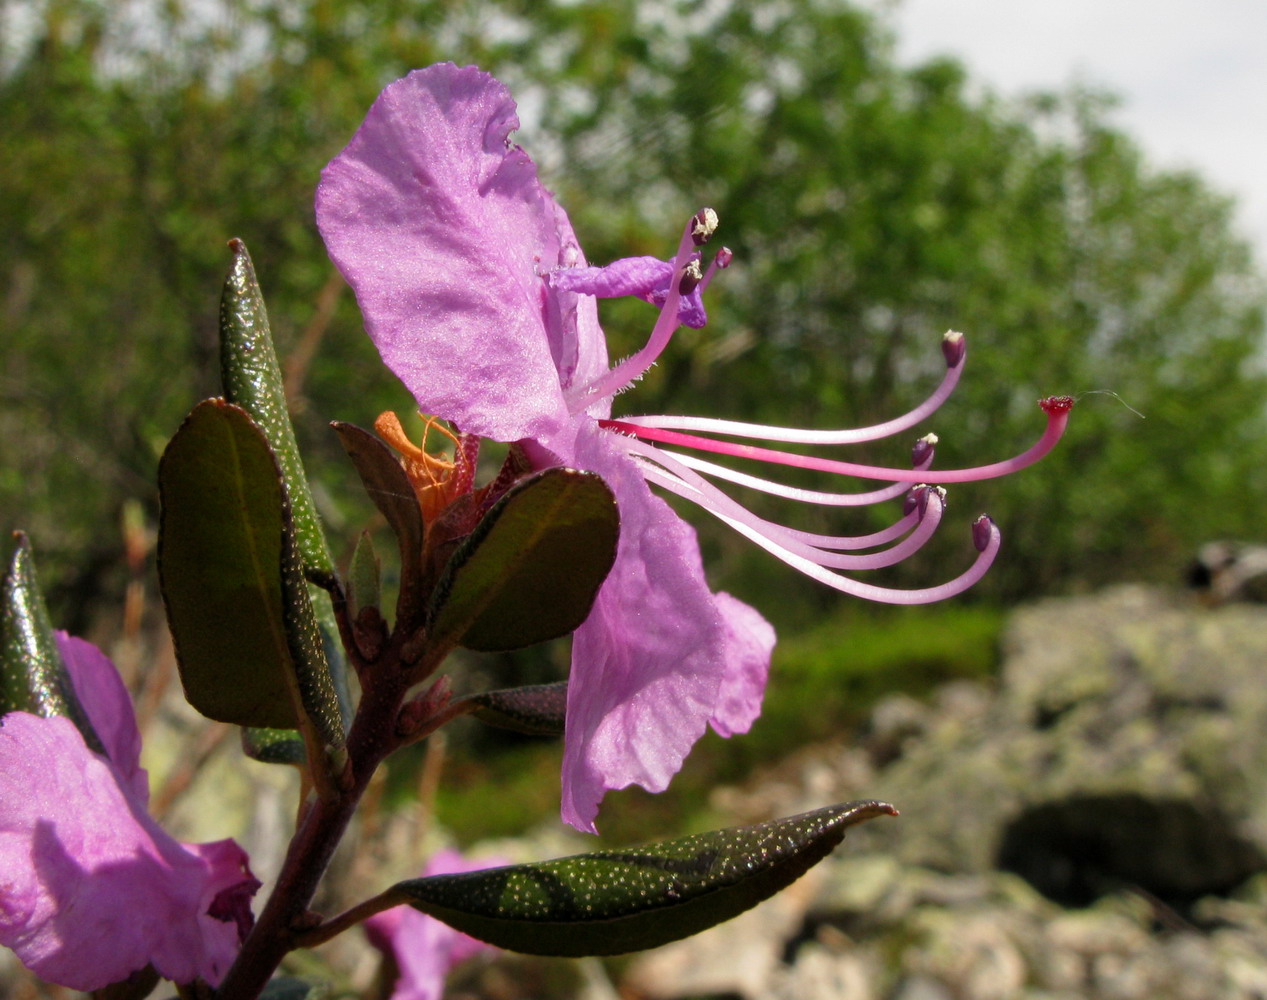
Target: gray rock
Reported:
point(1126, 747)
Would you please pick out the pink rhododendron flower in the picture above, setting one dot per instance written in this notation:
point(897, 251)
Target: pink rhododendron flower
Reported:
point(92, 889)
point(477, 295)
point(424, 949)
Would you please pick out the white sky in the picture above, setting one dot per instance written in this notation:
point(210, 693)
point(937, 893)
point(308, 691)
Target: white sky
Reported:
point(1192, 74)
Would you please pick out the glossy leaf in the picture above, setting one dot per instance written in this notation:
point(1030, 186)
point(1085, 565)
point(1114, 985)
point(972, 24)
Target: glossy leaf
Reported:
point(274, 746)
point(532, 566)
point(253, 380)
point(610, 902)
point(31, 669)
point(536, 709)
point(308, 651)
point(220, 555)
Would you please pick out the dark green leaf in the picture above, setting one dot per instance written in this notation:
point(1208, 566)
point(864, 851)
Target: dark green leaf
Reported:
point(274, 746)
point(34, 677)
point(307, 646)
point(530, 569)
point(253, 381)
point(610, 902)
point(220, 554)
point(537, 709)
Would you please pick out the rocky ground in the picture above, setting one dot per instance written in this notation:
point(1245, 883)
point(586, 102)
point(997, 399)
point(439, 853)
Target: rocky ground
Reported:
point(1093, 827)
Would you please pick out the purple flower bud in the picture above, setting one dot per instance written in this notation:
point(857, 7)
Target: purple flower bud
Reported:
point(703, 225)
point(953, 347)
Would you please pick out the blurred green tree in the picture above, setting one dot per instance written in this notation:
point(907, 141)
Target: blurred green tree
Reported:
point(870, 208)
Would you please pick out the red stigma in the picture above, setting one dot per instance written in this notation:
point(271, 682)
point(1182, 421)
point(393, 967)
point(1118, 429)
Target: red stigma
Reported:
point(1055, 405)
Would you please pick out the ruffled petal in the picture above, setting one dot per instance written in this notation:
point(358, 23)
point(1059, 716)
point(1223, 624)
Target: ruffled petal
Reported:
point(647, 278)
point(424, 948)
point(749, 643)
point(648, 663)
point(577, 342)
point(100, 691)
point(93, 889)
point(443, 230)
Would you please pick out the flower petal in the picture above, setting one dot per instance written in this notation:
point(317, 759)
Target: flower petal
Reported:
point(92, 888)
point(649, 662)
point(443, 230)
point(100, 691)
point(749, 643)
point(648, 278)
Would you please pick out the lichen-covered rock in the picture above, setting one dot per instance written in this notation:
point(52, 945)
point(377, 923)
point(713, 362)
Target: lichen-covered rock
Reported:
point(1125, 747)
point(1094, 827)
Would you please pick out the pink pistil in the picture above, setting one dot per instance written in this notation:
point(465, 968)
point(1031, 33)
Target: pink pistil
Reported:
point(1056, 407)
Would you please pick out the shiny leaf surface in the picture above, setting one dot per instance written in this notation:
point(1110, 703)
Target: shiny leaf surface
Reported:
point(220, 557)
point(530, 569)
point(609, 902)
point(537, 709)
point(31, 669)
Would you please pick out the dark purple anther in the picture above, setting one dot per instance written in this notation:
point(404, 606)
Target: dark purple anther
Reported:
point(982, 529)
point(703, 225)
point(922, 451)
point(953, 347)
point(724, 256)
point(691, 277)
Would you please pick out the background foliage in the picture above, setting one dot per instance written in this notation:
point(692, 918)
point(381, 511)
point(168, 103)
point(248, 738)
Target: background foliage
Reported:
point(870, 208)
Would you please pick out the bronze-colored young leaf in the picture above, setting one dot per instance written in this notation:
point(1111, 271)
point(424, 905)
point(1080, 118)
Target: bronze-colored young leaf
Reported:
point(33, 677)
point(219, 560)
point(536, 709)
point(389, 489)
point(364, 576)
point(609, 902)
point(532, 566)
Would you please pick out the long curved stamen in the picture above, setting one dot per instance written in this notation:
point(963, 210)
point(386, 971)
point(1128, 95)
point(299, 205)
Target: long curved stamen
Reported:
point(986, 538)
point(785, 539)
point(820, 497)
point(924, 518)
point(953, 347)
point(1056, 407)
point(636, 365)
